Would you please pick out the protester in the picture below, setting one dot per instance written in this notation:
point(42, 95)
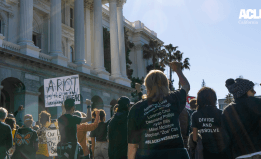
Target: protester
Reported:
point(193, 105)
point(82, 130)
point(44, 121)
point(11, 122)
point(117, 131)
point(100, 147)
point(148, 120)
point(6, 140)
point(26, 140)
point(193, 108)
point(184, 122)
point(207, 121)
point(115, 108)
point(68, 130)
point(18, 118)
point(242, 119)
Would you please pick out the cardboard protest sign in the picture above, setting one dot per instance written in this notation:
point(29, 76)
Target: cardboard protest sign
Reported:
point(60, 88)
point(52, 141)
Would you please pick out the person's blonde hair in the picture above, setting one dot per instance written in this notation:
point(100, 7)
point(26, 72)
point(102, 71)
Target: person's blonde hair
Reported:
point(157, 84)
point(102, 114)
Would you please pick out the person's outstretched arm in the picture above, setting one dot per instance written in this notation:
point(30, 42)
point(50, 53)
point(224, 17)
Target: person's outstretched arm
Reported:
point(20, 108)
point(176, 66)
point(89, 112)
point(93, 145)
point(132, 149)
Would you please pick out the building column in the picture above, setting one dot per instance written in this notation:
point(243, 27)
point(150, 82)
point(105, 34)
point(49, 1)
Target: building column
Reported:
point(140, 60)
point(1, 87)
point(115, 58)
point(26, 29)
point(98, 41)
point(67, 13)
point(122, 51)
point(79, 39)
point(31, 103)
point(88, 48)
point(1, 40)
point(56, 34)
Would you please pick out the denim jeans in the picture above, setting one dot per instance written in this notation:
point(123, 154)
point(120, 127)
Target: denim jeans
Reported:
point(101, 150)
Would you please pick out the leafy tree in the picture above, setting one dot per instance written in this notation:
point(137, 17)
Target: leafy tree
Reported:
point(229, 98)
point(153, 50)
point(128, 46)
point(107, 50)
point(133, 81)
point(157, 66)
point(203, 83)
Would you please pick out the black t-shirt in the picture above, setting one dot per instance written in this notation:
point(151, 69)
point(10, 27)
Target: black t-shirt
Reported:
point(156, 125)
point(208, 122)
point(25, 139)
point(117, 135)
point(6, 141)
point(100, 132)
point(68, 127)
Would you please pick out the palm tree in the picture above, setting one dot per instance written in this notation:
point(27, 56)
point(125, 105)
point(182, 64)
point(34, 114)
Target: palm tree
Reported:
point(184, 64)
point(153, 50)
point(203, 83)
point(229, 98)
point(169, 57)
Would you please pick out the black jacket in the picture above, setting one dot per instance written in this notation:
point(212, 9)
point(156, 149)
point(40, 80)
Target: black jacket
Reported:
point(242, 122)
point(6, 139)
point(117, 135)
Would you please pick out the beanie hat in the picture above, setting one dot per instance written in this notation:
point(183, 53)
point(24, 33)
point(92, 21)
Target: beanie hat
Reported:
point(239, 86)
point(123, 103)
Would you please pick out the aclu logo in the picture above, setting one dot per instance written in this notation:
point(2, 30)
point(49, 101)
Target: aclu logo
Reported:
point(248, 15)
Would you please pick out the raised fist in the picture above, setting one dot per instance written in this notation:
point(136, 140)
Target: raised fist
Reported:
point(175, 66)
point(20, 108)
point(88, 102)
point(138, 87)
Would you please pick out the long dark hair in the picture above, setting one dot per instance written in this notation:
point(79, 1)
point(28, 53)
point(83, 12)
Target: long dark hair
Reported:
point(206, 97)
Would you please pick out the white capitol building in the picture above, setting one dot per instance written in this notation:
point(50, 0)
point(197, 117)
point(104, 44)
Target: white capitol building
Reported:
point(42, 39)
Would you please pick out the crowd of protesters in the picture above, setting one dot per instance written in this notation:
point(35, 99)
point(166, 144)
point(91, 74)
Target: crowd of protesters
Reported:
point(157, 126)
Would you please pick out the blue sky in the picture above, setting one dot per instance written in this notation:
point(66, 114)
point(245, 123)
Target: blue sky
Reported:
point(208, 32)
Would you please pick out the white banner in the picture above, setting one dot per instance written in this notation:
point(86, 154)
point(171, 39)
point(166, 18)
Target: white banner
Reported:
point(58, 89)
point(52, 141)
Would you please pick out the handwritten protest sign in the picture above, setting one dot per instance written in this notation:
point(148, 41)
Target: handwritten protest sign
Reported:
point(56, 89)
point(52, 141)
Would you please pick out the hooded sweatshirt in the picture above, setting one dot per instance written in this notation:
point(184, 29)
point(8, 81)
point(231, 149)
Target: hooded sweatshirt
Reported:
point(242, 122)
point(117, 135)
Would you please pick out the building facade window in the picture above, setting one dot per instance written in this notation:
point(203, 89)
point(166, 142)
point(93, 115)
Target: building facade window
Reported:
point(71, 54)
point(37, 40)
point(71, 18)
